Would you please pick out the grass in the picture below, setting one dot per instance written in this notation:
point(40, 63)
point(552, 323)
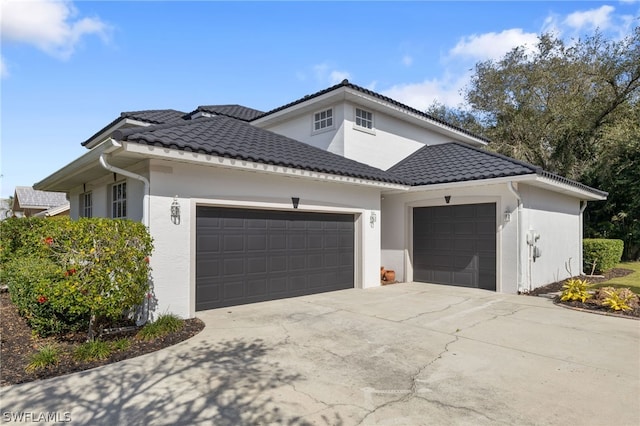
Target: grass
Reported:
point(88, 351)
point(165, 324)
point(631, 281)
point(47, 355)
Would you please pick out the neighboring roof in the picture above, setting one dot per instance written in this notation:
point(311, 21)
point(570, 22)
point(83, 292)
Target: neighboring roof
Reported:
point(346, 83)
point(28, 198)
point(55, 211)
point(231, 138)
point(457, 162)
point(234, 111)
point(151, 116)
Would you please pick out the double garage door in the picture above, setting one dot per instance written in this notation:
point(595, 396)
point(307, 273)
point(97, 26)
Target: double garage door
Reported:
point(246, 256)
point(455, 245)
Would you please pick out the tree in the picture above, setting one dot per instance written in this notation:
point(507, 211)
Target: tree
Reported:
point(549, 107)
point(573, 109)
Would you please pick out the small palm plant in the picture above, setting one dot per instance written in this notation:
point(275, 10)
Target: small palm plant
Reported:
point(576, 289)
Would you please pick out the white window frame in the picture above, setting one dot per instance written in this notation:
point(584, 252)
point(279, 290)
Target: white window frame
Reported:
point(86, 204)
point(360, 117)
point(119, 200)
point(322, 123)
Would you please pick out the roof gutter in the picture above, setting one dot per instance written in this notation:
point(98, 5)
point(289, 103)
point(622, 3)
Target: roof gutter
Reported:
point(144, 180)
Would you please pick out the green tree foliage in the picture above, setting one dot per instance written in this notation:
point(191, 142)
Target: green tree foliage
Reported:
point(552, 106)
point(572, 108)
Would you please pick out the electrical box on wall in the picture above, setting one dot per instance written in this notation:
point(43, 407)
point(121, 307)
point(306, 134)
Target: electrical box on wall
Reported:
point(532, 237)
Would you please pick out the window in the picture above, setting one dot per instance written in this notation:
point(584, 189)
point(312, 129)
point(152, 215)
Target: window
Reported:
point(86, 204)
point(364, 118)
point(323, 120)
point(119, 200)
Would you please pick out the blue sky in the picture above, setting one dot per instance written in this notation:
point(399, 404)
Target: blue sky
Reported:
point(70, 67)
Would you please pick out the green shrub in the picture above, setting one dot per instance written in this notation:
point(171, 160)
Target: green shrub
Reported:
point(576, 289)
point(605, 253)
point(88, 271)
point(165, 324)
point(47, 355)
point(93, 350)
point(32, 281)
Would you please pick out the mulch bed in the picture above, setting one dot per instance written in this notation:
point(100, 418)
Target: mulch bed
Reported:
point(589, 305)
point(18, 344)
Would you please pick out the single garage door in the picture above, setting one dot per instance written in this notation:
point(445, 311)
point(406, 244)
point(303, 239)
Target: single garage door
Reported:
point(247, 256)
point(455, 245)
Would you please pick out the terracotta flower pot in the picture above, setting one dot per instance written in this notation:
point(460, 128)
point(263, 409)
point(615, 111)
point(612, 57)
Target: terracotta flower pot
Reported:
point(390, 275)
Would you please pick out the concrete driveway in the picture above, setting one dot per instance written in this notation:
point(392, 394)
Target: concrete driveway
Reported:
point(406, 354)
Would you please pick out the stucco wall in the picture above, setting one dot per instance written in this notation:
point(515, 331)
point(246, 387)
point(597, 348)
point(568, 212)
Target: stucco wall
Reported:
point(173, 261)
point(556, 218)
point(300, 128)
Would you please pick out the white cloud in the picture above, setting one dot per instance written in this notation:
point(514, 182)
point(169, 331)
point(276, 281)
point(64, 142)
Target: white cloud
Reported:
point(337, 76)
point(52, 26)
point(493, 45)
point(325, 75)
point(407, 60)
point(590, 19)
point(421, 95)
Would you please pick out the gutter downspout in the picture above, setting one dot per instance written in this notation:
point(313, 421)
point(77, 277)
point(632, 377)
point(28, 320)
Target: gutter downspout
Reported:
point(518, 232)
point(144, 180)
point(145, 209)
point(583, 206)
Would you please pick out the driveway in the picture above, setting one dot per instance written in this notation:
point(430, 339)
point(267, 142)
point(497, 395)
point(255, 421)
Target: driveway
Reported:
point(405, 354)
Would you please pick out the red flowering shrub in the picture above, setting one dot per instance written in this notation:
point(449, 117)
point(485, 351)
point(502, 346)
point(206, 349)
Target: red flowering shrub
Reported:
point(96, 269)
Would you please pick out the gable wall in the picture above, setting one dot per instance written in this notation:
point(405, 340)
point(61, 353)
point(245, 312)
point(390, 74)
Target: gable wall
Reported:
point(391, 140)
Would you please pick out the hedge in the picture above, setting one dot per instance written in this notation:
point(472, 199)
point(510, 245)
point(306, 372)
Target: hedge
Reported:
point(604, 252)
point(64, 274)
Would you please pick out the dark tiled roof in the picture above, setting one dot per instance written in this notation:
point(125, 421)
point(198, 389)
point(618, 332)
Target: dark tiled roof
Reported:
point(154, 116)
point(457, 162)
point(234, 111)
point(345, 83)
point(28, 197)
point(151, 116)
point(227, 137)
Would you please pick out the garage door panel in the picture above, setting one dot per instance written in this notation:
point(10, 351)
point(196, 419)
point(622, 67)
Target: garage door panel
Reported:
point(455, 245)
point(233, 267)
point(246, 256)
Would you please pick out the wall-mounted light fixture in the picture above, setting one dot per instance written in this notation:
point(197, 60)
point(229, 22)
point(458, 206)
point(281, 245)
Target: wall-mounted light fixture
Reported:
point(295, 201)
point(372, 219)
point(447, 198)
point(175, 211)
point(507, 216)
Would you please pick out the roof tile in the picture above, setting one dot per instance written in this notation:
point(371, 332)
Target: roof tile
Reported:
point(227, 137)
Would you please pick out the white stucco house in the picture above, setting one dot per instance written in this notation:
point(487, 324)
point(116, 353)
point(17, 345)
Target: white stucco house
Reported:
point(317, 195)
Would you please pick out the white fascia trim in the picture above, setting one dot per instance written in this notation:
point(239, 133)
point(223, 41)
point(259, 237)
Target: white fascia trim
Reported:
point(325, 99)
point(531, 178)
point(469, 183)
point(212, 160)
point(570, 189)
point(104, 135)
point(88, 160)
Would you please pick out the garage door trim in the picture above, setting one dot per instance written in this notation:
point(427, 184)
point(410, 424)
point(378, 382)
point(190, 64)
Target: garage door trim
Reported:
point(357, 214)
point(454, 201)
